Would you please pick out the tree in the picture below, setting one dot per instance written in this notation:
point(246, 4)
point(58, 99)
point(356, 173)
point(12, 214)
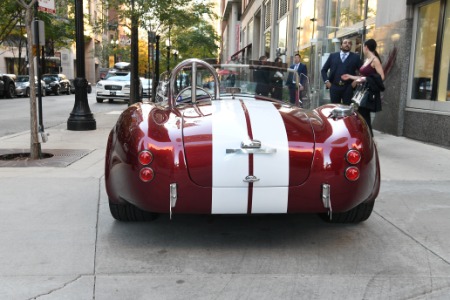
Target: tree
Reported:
point(11, 16)
point(184, 22)
point(35, 146)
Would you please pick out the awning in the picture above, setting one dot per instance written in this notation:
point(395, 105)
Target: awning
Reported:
point(242, 50)
point(411, 2)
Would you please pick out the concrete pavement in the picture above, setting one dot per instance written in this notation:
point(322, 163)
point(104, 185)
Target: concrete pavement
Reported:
point(59, 241)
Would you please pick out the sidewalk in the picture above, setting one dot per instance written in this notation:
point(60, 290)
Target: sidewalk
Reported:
point(90, 144)
point(60, 242)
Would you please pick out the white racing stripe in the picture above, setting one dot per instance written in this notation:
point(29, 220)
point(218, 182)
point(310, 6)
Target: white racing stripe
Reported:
point(270, 193)
point(229, 129)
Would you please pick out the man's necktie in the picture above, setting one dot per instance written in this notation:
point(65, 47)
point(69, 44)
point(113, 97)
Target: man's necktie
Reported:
point(343, 56)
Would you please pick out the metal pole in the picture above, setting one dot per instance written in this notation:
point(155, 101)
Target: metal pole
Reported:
point(134, 76)
point(39, 72)
point(81, 117)
point(168, 59)
point(156, 79)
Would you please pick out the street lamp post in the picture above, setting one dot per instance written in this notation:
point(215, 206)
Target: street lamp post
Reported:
point(156, 78)
point(81, 117)
point(175, 55)
point(168, 54)
point(114, 44)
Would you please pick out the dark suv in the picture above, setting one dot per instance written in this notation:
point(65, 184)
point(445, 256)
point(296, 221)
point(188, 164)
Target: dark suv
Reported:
point(56, 84)
point(7, 86)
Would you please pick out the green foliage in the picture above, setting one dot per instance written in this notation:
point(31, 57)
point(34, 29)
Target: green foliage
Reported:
point(11, 14)
point(185, 22)
point(59, 28)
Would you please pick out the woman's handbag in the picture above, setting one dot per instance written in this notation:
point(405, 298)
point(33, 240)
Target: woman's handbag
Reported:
point(361, 95)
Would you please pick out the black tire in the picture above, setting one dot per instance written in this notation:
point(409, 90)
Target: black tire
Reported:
point(357, 214)
point(11, 91)
point(99, 100)
point(130, 213)
point(27, 92)
point(111, 100)
point(57, 91)
point(68, 90)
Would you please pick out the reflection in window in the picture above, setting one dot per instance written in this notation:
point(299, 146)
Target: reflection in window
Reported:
point(372, 11)
point(282, 33)
point(427, 27)
point(444, 72)
point(351, 12)
point(267, 44)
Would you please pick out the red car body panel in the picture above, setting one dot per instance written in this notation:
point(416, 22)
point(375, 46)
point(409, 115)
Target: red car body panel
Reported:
point(181, 141)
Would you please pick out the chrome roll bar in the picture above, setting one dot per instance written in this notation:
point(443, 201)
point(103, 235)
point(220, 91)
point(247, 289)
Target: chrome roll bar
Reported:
point(193, 63)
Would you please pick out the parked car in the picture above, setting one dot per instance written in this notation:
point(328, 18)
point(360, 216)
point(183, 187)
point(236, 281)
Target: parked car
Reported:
point(23, 86)
point(235, 152)
point(56, 84)
point(72, 87)
point(115, 86)
point(7, 86)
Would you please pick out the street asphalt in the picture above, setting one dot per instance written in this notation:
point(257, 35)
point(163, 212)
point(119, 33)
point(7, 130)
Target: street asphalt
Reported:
point(60, 242)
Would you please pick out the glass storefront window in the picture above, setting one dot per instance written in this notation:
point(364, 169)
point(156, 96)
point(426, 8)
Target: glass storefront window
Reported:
point(427, 27)
point(307, 26)
point(351, 12)
point(443, 93)
point(372, 11)
point(267, 44)
point(282, 33)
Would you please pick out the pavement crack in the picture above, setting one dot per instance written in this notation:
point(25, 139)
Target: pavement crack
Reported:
point(413, 239)
point(57, 289)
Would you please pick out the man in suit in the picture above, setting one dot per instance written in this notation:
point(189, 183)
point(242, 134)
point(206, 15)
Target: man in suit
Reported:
point(291, 83)
point(339, 63)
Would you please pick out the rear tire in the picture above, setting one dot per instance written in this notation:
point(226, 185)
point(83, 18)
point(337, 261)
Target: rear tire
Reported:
point(130, 213)
point(57, 90)
point(357, 214)
point(99, 100)
point(27, 93)
point(11, 91)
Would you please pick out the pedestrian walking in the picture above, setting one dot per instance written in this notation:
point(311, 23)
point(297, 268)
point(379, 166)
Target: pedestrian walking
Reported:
point(371, 74)
point(339, 63)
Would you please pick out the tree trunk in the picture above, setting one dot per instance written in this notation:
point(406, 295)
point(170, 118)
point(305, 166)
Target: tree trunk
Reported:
point(35, 146)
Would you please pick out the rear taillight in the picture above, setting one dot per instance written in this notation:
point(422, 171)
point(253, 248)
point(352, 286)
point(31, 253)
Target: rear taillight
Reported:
point(146, 174)
point(352, 173)
point(353, 156)
point(145, 157)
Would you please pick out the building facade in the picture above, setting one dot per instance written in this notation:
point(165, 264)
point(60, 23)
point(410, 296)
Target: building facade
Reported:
point(413, 39)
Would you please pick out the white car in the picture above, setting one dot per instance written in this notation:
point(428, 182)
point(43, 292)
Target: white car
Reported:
point(114, 87)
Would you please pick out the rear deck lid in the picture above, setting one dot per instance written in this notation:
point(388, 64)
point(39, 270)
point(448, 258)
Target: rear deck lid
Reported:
point(231, 143)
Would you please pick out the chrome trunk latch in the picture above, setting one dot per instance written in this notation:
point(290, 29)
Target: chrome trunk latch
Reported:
point(251, 178)
point(251, 147)
point(251, 144)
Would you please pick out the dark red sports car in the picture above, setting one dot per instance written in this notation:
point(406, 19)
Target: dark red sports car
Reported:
point(210, 145)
